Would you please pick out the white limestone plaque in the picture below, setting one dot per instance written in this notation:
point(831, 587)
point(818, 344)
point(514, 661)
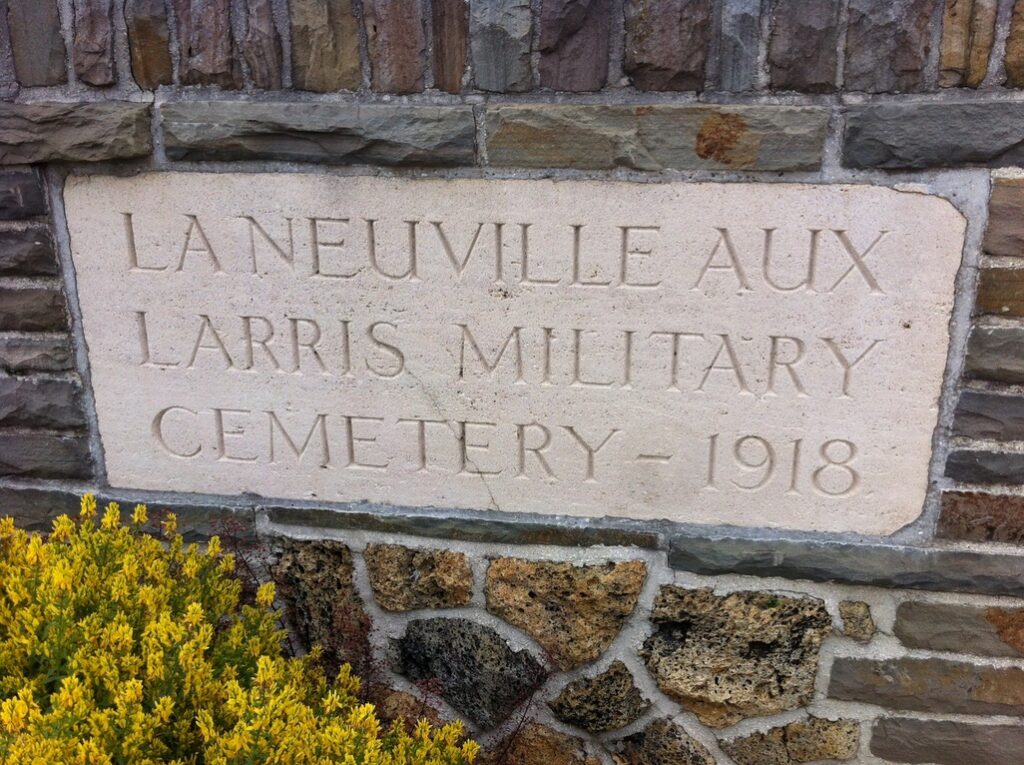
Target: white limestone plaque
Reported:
point(750, 354)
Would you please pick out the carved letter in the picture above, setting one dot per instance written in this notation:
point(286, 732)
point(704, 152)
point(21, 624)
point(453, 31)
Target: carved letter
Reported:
point(390, 349)
point(254, 228)
point(194, 229)
point(421, 439)
point(775, 361)
point(845, 363)
point(147, 356)
point(676, 353)
point(812, 257)
point(733, 365)
point(310, 344)
point(858, 259)
point(525, 229)
point(590, 451)
point(133, 253)
point(577, 235)
point(217, 345)
point(458, 265)
point(630, 249)
point(316, 243)
point(410, 272)
point(577, 365)
point(230, 432)
point(262, 342)
point(521, 436)
point(733, 265)
point(354, 440)
point(158, 432)
point(490, 366)
point(319, 428)
point(467, 464)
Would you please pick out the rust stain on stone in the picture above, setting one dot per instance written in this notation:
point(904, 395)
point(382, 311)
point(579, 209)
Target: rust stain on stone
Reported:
point(719, 136)
point(1009, 624)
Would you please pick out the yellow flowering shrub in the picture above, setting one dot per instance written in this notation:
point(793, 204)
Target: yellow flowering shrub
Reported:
point(119, 648)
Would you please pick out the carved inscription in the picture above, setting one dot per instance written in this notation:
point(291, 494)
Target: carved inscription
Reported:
point(758, 355)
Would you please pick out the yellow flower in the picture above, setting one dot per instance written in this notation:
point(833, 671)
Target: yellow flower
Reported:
point(139, 515)
point(265, 595)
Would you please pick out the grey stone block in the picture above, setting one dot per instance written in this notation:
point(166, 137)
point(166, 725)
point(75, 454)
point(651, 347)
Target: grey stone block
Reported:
point(501, 44)
point(21, 353)
point(49, 131)
point(961, 628)
point(21, 195)
point(996, 353)
point(993, 416)
point(977, 466)
point(28, 252)
point(946, 743)
point(41, 402)
point(32, 309)
point(25, 454)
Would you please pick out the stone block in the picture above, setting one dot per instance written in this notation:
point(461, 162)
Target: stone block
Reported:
point(1004, 234)
point(802, 52)
point(667, 43)
point(405, 578)
point(36, 42)
point(990, 416)
point(913, 136)
point(996, 354)
point(331, 133)
point(730, 657)
point(656, 137)
point(607, 701)
point(739, 45)
point(961, 628)
point(574, 40)
point(1014, 59)
point(27, 252)
point(21, 353)
point(1000, 292)
point(325, 46)
point(149, 42)
point(21, 195)
point(450, 21)
point(662, 742)
point(974, 516)
point(501, 45)
point(573, 612)
point(41, 402)
point(93, 50)
point(26, 454)
point(261, 46)
point(50, 131)
point(396, 44)
point(32, 309)
point(207, 53)
point(977, 466)
point(802, 741)
point(887, 43)
point(857, 621)
point(968, 34)
point(900, 739)
point(929, 685)
point(536, 744)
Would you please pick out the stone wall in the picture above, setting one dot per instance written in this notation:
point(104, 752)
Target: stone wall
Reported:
point(561, 638)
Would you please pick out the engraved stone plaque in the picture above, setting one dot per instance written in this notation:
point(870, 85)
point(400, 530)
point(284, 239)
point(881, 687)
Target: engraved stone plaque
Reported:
point(750, 354)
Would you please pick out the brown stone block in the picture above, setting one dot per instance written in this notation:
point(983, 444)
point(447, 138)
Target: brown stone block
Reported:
point(93, 52)
point(1004, 234)
point(148, 42)
point(451, 43)
point(802, 47)
point(975, 516)
point(1001, 292)
point(807, 740)
point(1014, 58)
point(574, 39)
point(946, 743)
point(27, 252)
point(21, 353)
point(325, 46)
point(32, 309)
point(667, 43)
point(887, 44)
point(396, 43)
point(536, 744)
point(968, 33)
point(50, 131)
point(36, 42)
point(208, 55)
point(961, 628)
point(21, 195)
point(262, 46)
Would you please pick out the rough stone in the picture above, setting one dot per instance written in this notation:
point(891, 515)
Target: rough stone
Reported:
point(1000, 292)
point(929, 685)
point(35, 353)
point(920, 135)
point(857, 621)
point(262, 46)
point(900, 739)
point(25, 454)
point(27, 252)
point(450, 20)
point(656, 137)
point(605, 702)
point(21, 195)
point(974, 516)
point(1014, 59)
point(32, 309)
point(392, 705)
point(536, 744)
point(662, 742)
point(977, 466)
point(739, 46)
point(315, 580)
point(149, 43)
point(49, 131)
point(729, 657)
point(992, 416)
point(574, 39)
point(396, 44)
point(968, 33)
point(995, 354)
point(404, 578)
point(802, 741)
point(93, 51)
point(476, 671)
point(667, 43)
point(802, 47)
point(574, 612)
point(887, 45)
point(501, 44)
point(380, 134)
point(41, 402)
point(207, 50)
point(1004, 234)
point(325, 46)
point(36, 42)
point(961, 628)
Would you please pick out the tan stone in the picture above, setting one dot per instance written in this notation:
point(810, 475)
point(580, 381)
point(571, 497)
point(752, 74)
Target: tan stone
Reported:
point(574, 612)
point(605, 702)
point(968, 33)
point(1014, 59)
point(325, 45)
point(660, 743)
point(857, 621)
point(1004, 233)
point(404, 578)
point(392, 705)
point(536, 744)
point(803, 741)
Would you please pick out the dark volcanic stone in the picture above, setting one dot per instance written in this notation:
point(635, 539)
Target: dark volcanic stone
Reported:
point(334, 133)
point(478, 674)
point(802, 47)
point(667, 43)
point(501, 44)
point(35, 353)
point(36, 42)
point(28, 252)
point(574, 39)
point(605, 702)
point(93, 52)
point(450, 21)
point(976, 466)
point(149, 42)
point(946, 743)
point(21, 195)
point(41, 402)
point(24, 454)
point(82, 131)
point(887, 44)
point(208, 54)
point(325, 45)
point(660, 743)
point(961, 628)
point(975, 516)
point(32, 309)
point(991, 416)
point(396, 44)
point(262, 46)
point(739, 45)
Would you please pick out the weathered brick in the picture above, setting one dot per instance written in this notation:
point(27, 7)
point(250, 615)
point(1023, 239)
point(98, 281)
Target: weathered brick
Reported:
point(396, 44)
point(261, 45)
point(929, 685)
point(207, 51)
point(994, 416)
point(900, 739)
point(501, 44)
point(450, 19)
point(35, 352)
point(32, 309)
point(1014, 59)
point(887, 43)
point(739, 45)
point(40, 402)
point(975, 516)
point(996, 353)
point(574, 39)
point(919, 135)
point(335, 133)
point(961, 628)
point(802, 49)
point(93, 51)
point(976, 466)
point(1000, 292)
point(325, 45)
point(21, 195)
point(968, 33)
point(25, 454)
point(667, 43)
point(36, 42)
point(149, 42)
point(1004, 234)
point(654, 137)
point(82, 131)
point(28, 252)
